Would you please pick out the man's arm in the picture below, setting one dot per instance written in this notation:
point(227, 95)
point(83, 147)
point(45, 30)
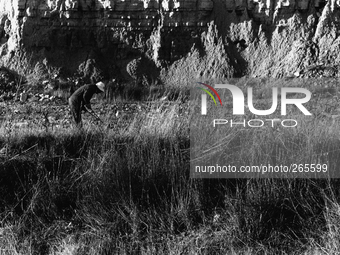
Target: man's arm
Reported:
point(88, 93)
point(87, 107)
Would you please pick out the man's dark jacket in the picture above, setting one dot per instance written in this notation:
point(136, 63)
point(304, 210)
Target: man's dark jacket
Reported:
point(82, 96)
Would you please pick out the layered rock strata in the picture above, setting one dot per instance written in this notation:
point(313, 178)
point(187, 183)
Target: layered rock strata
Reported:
point(261, 37)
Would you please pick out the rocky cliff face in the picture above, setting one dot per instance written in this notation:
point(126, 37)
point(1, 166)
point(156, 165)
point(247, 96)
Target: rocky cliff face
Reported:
point(260, 37)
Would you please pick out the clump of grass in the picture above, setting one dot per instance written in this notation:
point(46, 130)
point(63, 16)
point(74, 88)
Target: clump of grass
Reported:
point(59, 185)
point(42, 71)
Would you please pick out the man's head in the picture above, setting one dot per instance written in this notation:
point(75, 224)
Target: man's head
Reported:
point(101, 86)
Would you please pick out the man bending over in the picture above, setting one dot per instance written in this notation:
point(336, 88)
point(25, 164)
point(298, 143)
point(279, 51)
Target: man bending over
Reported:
point(80, 100)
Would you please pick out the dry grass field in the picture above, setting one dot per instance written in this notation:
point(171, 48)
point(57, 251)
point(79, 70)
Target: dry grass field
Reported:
point(124, 188)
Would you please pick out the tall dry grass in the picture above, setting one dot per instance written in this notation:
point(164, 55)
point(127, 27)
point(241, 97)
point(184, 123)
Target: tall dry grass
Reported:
point(128, 191)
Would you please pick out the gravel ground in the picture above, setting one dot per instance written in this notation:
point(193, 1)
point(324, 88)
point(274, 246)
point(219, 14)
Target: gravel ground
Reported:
point(56, 114)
